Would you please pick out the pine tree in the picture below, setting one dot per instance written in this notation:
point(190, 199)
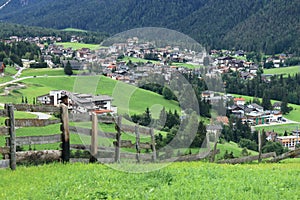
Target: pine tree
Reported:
point(284, 105)
point(68, 69)
point(266, 101)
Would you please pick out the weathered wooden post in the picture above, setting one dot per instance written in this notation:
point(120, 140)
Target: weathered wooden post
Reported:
point(137, 143)
point(153, 145)
point(215, 148)
point(94, 138)
point(118, 139)
point(12, 135)
point(65, 134)
point(259, 146)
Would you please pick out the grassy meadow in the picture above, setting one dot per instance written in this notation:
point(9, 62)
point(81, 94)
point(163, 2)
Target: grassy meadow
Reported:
point(128, 98)
point(76, 45)
point(280, 128)
point(194, 180)
point(283, 70)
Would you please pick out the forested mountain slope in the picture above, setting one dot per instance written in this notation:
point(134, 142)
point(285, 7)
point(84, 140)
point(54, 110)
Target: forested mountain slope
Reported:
point(271, 26)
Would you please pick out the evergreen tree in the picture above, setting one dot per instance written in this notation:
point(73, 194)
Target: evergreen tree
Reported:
point(68, 69)
point(284, 105)
point(266, 101)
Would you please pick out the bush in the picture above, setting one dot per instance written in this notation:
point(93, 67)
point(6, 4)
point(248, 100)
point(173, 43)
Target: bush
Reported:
point(249, 144)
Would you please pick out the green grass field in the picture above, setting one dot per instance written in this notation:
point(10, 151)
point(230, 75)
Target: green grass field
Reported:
point(43, 72)
point(189, 66)
point(127, 97)
point(280, 128)
point(76, 46)
point(8, 73)
point(195, 180)
point(283, 70)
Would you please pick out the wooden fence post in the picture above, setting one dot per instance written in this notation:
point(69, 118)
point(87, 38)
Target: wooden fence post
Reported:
point(118, 139)
point(259, 146)
point(137, 142)
point(12, 135)
point(215, 149)
point(94, 138)
point(153, 145)
point(65, 134)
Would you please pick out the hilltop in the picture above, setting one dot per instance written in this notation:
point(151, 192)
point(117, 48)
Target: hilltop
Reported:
point(270, 26)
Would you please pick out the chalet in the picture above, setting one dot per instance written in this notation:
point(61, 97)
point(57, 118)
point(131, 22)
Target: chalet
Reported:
point(255, 107)
point(239, 101)
point(237, 110)
point(277, 106)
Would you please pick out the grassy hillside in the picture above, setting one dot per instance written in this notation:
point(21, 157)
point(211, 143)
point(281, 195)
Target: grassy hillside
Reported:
point(75, 45)
point(126, 97)
point(280, 128)
point(283, 70)
point(194, 180)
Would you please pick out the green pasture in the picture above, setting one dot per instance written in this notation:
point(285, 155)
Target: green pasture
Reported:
point(283, 70)
point(43, 72)
point(194, 180)
point(128, 98)
point(280, 128)
point(186, 65)
point(76, 45)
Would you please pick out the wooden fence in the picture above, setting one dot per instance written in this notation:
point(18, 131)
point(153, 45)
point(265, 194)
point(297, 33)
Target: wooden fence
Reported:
point(109, 154)
point(12, 156)
point(96, 152)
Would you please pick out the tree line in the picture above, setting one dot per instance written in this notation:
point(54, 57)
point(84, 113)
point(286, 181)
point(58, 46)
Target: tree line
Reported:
point(14, 52)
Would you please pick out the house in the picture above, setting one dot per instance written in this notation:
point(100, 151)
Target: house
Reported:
point(255, 107)
point(289, 141)
point(214, 129)
point(277, 106)
point(239, 101)
point(53, 98)
point(237, 110)
point(79, 103)
point(271, 136)
point(207, 94)
point(222, 119)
